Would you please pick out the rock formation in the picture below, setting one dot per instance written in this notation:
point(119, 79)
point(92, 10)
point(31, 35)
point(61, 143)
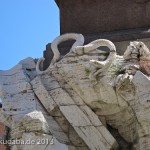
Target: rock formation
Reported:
point(89, 99)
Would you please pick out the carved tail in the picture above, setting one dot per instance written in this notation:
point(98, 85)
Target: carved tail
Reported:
point(54, 46)
point(103, 42)
point(80, 50)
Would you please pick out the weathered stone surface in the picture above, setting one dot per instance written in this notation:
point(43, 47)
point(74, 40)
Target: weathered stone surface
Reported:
point(43, 94)
point(93, 138)
point(61, 97)
point(84, 100)
point(91, 115)
point(142, 105)
point(63, 130)
point(72, 112)
point(21, 111)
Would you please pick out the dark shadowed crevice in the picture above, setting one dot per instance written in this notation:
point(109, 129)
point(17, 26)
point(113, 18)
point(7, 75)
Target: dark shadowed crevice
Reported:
point(123, 144)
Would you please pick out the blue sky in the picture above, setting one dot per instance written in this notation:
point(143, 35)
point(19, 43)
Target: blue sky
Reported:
point(26, 26)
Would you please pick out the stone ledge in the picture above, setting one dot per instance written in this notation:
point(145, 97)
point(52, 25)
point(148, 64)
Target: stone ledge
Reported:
point(122, 35)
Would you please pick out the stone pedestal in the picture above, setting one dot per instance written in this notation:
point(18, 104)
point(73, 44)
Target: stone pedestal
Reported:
point(96, 16)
